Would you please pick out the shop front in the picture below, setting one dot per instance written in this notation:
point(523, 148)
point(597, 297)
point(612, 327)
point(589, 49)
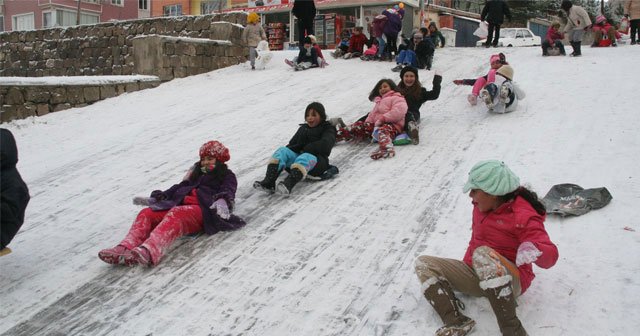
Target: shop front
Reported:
point(333, 17)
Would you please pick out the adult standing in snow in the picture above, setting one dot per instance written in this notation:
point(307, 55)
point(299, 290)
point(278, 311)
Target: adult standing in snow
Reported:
point(507, 236)
point(392, 28)
point(494, 12)
point(305, 12)
point(203, 201)
point(632, 12)
point(14, 192)
point(577, 22)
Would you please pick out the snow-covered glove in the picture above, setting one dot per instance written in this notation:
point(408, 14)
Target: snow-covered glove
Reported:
point(141, 200)
point(221, 208)
point(527, 253)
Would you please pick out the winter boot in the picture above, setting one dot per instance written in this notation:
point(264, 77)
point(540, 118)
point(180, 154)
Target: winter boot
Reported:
point(268, 184)
point(119, 255)
point(486, 97)
point(414, 133)
point(397, 68)
point(576, 48)
point(296, 174)
point(142, 256)
point(446, 304)
point(504, 94)
point(503, 302)
point(473, 99)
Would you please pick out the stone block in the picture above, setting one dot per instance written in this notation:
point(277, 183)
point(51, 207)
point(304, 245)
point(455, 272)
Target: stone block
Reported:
point(60, 107)
point(42, 109)
point(37, 94)
point(107, 91)
point(14, 97)
point(91, 94)
point(10, 112)
point(132, 87)
point(75, 95)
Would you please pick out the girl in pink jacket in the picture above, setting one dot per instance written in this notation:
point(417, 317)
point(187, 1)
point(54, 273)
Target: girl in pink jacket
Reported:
point(383, 123)
point(495, 61)
point(507, 237)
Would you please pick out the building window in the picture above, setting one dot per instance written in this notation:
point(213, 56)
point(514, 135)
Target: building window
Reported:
point(172, 10)
point(117, 2)
point(211, 6)
point(66, 18)
point(143, 4)
point(24, 22)
point(47, 21)
point(1, 23)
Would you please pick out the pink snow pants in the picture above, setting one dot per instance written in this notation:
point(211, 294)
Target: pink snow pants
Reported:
point(490, 77)
point(156, 230)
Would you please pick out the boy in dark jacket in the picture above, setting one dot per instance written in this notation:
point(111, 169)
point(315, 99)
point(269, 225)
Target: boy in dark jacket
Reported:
point(307, 153)
point(494, 12)
point(14, 194)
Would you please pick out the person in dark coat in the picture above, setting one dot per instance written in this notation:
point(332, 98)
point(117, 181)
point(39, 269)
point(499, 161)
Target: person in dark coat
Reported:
point(203, 201)
point(14, 193)
point(392, 28)
point(494, 12)
point(305, 12)
point(416, 95)
point(306, 154)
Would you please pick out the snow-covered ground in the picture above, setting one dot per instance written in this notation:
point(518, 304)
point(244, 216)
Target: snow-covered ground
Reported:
point(337, 257)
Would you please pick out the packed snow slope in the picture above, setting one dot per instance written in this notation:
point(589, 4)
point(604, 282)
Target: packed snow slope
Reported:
point(335, 258)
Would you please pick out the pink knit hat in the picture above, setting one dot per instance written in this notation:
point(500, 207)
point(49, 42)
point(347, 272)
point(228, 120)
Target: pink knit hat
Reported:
point(600, 18)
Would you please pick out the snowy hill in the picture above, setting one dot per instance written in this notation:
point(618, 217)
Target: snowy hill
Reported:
point(337, 257)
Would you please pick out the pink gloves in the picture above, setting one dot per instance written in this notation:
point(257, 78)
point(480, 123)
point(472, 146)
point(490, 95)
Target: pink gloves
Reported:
point(527, 253)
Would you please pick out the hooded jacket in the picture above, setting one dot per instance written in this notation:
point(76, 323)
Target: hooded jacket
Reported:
point(389, 109)
point(505, 228)
point(14, 193)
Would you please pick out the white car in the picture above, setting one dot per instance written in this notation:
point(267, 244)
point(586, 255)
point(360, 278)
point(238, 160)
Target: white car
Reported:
point(515, 37)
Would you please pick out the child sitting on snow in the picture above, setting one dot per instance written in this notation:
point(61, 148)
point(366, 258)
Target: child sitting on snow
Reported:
point(203, 201)
point(314, 43)
point(307, 58)
point(356, 44)
point(306, 154)
point(343, 47)
point(601, 29)
point(416, 95)
point(383, 123)
point(503, 94)
point(496, 61)
point(553, 39)
point(416, 54)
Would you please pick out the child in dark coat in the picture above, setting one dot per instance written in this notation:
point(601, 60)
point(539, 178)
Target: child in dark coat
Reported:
point(202, 202)
point(306, 154)
point(415, 95)
point(15, 194)
point(307, 57)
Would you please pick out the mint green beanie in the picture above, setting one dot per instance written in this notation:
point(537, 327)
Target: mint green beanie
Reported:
point(492, 177)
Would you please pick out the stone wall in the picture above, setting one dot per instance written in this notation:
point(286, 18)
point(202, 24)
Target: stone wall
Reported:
point(20, 100)
point(107, 48)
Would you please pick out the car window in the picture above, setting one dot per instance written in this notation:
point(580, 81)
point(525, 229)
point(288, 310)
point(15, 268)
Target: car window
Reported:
point(508, 33)
point(527, 33)
point(519, 35)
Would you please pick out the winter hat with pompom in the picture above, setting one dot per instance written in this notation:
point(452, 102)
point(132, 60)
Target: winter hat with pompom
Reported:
point(492, 177)
point(216, 150)
point(600, 19)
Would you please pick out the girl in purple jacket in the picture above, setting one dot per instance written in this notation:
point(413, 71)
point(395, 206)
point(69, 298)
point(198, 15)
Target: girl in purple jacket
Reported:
point(203, 201)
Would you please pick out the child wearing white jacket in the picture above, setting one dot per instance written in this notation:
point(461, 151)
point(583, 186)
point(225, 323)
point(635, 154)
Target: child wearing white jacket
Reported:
point(503, 94)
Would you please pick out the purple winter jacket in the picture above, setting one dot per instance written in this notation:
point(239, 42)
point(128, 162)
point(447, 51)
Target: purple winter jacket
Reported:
point(394, 21)
point(208, 191)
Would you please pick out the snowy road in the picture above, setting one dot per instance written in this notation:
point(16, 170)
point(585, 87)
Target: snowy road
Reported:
point(336, 258)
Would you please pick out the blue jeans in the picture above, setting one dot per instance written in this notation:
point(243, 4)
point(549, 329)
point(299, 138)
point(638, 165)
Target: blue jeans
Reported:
point(286, 157)
point(381, 44)
point(407, 57)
